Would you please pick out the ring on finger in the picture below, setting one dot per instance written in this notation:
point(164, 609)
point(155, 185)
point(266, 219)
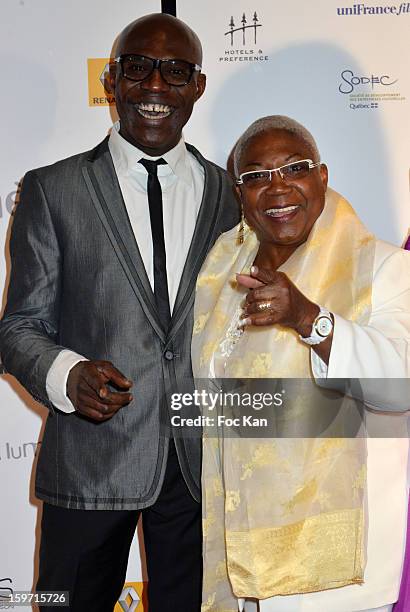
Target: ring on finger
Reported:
point(261, 306)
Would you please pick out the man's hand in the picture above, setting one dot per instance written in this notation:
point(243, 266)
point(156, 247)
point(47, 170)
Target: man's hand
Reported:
point(88, 391)
point(273, 298)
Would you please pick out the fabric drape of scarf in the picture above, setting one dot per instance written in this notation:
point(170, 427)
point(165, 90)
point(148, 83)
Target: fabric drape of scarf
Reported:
point(282, 515)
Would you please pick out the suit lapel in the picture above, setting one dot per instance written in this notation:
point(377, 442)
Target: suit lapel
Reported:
point(102, 184)
point(202, 239)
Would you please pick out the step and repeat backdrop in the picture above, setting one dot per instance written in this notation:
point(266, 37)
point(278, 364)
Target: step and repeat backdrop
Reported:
point(341, 69)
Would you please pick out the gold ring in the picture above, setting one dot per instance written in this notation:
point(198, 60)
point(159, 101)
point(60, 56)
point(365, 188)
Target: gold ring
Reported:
point(264, 306)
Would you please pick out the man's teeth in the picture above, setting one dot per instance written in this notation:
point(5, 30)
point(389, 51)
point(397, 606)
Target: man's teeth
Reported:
point(151, 111)
point(278, 212)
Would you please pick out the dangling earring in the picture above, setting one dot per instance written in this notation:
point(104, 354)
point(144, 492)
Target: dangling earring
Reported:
point(241, 229)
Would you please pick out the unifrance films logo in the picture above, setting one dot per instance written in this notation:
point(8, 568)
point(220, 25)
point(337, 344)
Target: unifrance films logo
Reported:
point(358, 10)
point(368, 91)
point(243, 40)
point(98, 68)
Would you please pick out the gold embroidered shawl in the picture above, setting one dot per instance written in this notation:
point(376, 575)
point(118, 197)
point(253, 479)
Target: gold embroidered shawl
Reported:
point(285, 515)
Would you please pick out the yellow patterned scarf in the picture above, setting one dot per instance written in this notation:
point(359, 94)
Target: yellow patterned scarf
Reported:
point(285, 515)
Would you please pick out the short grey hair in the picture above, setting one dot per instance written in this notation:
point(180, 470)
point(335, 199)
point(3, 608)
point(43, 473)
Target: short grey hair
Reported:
point(274, 122)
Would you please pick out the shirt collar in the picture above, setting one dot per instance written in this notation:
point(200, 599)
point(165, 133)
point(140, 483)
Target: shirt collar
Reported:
point(127, 156)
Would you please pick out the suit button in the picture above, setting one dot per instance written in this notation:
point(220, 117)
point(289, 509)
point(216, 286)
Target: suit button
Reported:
point(169, 355)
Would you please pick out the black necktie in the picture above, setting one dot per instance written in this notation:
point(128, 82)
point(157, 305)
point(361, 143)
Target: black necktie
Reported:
point(158, 243)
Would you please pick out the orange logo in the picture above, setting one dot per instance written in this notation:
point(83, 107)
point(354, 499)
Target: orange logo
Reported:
point(133, 598)
point(97, 95)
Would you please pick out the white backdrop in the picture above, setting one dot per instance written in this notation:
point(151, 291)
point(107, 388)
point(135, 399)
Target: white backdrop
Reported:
point(344, 75)
point(308, 46)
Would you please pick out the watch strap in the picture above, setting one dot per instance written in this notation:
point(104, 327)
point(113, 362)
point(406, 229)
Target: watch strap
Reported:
point(316, 337)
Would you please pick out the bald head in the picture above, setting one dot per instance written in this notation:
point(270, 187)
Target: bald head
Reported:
point(153, 110)
point(160, 28)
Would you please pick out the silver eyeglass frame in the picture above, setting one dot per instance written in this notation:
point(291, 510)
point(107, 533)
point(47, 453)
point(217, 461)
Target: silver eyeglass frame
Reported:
point(312, 164)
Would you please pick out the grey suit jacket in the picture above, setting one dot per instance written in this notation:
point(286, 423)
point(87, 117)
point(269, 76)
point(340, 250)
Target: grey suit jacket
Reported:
point(78, 282)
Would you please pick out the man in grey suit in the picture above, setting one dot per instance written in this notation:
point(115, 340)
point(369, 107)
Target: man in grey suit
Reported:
point(105, 246)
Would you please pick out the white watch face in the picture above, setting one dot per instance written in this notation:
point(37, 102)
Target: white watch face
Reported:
point(324, 326)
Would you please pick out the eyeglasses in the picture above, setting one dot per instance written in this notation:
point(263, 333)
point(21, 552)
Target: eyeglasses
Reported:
point(288, 173)
point(174, 71)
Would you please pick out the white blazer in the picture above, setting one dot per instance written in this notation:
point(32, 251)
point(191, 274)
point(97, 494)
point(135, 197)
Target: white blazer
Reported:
point(379, 350)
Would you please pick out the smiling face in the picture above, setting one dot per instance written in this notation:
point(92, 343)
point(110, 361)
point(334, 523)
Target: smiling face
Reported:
point(281, 213)
point(153, 113)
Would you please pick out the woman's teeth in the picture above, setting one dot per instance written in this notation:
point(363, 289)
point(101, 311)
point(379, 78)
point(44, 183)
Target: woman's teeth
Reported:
point(278, 212)
point(154, 111)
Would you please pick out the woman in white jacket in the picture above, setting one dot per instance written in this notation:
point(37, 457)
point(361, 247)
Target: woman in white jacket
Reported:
point(302, 289)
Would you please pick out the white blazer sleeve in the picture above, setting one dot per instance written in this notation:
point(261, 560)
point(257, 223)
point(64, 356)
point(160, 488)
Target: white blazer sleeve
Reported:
point(381, 349)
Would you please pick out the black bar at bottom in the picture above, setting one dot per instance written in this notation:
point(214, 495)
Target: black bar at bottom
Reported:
point(169, 7)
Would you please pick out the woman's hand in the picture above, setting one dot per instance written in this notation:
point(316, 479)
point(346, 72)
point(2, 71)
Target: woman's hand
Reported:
point(273, 298)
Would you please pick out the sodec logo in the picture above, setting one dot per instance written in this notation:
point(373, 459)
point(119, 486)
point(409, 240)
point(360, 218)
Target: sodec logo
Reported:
point(350, 81)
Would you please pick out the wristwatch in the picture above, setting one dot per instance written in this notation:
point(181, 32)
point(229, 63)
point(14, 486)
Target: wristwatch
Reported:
point(322, 328)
